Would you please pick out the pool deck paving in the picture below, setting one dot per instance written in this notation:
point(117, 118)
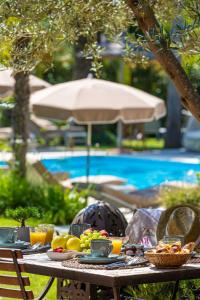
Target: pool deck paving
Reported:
point(179, 155)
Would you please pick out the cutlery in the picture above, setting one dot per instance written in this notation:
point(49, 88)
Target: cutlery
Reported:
point(133, 262)
point(116, 264)
point(36, 246)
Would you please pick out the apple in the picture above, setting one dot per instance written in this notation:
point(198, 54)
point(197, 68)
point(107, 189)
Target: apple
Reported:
point(104, 233)
point(59, 250)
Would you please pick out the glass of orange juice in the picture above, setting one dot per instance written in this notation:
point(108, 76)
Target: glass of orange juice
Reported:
point(37, 235)
point(117, 245)
point(49, 229)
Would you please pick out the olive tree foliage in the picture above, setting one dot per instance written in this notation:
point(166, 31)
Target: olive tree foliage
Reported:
point(41, 26)
point(31, 30)
point(170, 27)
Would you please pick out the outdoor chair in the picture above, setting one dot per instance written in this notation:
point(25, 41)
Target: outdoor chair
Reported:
point(9, 262)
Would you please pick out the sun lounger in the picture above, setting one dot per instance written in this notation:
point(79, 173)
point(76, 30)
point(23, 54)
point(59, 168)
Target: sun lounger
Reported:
point(96, 182)
point(38, 173)
point(5, 133)
point(99, 179)
point(62, 178)
point(129, 197)
point(110, 188)
point(123, 196)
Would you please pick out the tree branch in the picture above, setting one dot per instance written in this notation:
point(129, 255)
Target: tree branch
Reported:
point(151, 29)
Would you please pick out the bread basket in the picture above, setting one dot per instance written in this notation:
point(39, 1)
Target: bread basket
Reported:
point(167, 260)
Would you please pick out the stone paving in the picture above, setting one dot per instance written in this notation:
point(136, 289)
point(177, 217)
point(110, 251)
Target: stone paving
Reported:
point(180, 155)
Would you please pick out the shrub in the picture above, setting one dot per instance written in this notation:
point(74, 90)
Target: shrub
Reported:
point(175, 196)
point(57, 206)
point(157, 291)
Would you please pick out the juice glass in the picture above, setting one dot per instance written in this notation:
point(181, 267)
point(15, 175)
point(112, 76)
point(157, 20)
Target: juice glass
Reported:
point(49, 229)
point(37, 235)
point(117, 245)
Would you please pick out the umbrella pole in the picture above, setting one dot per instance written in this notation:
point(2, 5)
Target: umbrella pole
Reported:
point(89, 142)
point(119, 135)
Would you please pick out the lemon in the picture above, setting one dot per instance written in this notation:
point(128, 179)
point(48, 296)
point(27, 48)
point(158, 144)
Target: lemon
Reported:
point(58, 241)
point(73, 244)
point(66, 236)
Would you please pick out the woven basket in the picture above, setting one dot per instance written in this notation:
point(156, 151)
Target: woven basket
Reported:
point(167, 260)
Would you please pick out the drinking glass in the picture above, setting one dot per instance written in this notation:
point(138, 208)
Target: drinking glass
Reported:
point(37, 235)
point(49, 228)
point(117, 245)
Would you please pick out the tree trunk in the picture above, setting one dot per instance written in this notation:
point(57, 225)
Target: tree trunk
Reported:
point(20, 121)
point(150, 28)
point(173, 135)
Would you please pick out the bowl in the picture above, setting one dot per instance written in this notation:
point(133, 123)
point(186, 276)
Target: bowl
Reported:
point(167, 260)
point(63, 255)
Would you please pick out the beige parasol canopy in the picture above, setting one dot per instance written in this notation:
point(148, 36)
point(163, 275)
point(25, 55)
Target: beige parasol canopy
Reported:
point(94, 101)
point(7, 83)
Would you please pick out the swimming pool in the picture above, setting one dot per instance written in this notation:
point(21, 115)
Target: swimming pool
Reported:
point(2, 164)
point(141, 172)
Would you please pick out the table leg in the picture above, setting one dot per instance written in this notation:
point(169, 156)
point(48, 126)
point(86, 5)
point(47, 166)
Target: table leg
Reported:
point(116, 293)
point(93, 292)
point(175, 290)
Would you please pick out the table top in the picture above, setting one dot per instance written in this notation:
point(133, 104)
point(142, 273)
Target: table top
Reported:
point(42, 265)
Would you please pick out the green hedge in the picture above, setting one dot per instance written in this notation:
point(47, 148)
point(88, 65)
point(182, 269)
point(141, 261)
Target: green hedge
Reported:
point(58, 206)
point(175, 196)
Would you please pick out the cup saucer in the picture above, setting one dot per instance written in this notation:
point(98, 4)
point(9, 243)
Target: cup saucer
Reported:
point(91, 259)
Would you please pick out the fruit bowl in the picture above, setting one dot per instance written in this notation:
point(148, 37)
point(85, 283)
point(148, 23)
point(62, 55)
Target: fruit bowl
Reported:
point(60, 256)
point(167, 260)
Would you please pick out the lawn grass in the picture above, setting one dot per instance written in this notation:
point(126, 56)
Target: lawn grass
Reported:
point(138, 145)
point(37, 282)
point(146, 144)
point(5, 146)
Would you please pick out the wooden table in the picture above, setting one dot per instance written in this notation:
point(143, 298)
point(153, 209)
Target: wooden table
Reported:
point(40, 264)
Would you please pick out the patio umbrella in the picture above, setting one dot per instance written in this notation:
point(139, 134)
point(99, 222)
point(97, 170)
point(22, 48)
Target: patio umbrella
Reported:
point(93, 101)
point(7, 83)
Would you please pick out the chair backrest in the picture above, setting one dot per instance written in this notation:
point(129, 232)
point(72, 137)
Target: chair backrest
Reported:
point(179, 220)
point(9, 262)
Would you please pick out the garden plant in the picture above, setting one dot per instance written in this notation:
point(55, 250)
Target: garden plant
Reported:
point(22, 214)
point(58, 206)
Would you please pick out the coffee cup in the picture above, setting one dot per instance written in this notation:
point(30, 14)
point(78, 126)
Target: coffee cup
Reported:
point(101, 248)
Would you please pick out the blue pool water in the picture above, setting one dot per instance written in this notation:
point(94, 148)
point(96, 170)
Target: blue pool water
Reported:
point(3, 164)
point(141, 172)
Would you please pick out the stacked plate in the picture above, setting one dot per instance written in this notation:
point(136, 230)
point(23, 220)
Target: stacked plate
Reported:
point(17, 245)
